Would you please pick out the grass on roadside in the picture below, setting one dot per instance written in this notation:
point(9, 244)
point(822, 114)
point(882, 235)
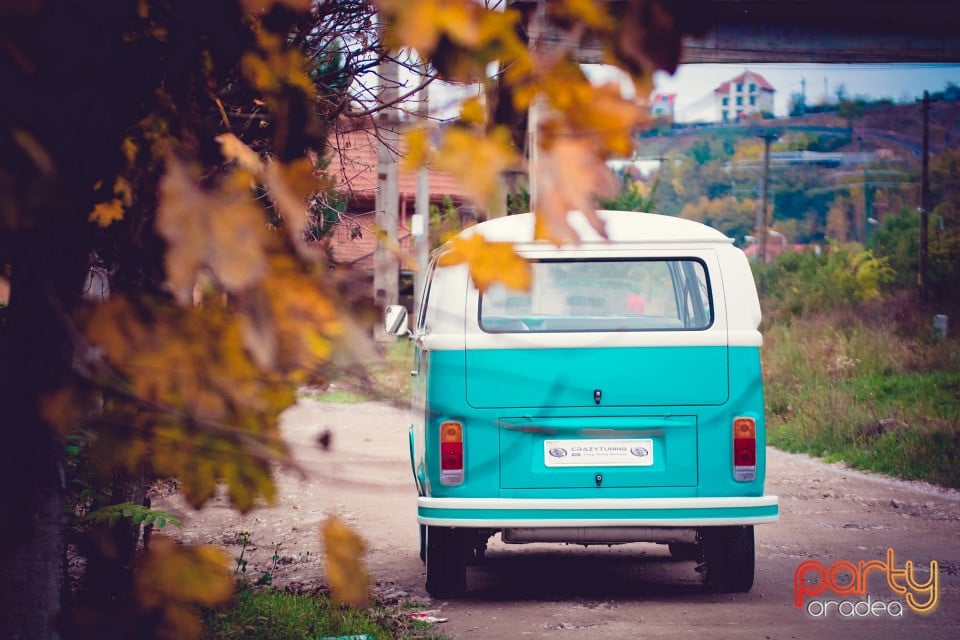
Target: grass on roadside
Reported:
point(846, 388)
point(271, 614)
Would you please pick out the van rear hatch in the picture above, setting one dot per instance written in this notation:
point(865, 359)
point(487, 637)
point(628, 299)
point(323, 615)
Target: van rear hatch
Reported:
point(579, 418)
point(586, 451)
point(597, 377)
point(599, 370)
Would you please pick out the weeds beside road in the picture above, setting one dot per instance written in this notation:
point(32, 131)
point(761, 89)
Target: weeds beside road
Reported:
point(871, 385)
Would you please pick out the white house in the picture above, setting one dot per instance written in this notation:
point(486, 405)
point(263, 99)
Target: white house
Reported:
point(745, 94)
point(662, 106)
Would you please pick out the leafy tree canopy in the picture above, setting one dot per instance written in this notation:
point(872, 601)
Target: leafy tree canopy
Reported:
point(174, 144)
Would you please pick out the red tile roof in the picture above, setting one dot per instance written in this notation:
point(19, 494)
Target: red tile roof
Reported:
point(355, 168)
point(760, 80)
point(353, 241)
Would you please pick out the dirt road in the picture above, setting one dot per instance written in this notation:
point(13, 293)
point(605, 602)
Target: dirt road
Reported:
point(828, 513)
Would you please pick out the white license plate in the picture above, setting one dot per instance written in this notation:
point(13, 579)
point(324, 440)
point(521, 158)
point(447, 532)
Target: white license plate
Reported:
point(598, 453)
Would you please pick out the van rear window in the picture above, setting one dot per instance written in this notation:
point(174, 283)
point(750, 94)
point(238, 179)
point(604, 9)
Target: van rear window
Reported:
point(603, 295)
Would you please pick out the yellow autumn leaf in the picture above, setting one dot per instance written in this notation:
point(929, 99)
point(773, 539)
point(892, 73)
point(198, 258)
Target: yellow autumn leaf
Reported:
point(591, 13)
point(348, 579)
point(168, 571)
point(421, 23)
point(418, 148)
point(303, 319)
point(477, 160)
point(472, 111)
point(171, 581)
point(603, 112)
point(488, 262)
point(106, 213)
point(276, 66)
point(130, 149)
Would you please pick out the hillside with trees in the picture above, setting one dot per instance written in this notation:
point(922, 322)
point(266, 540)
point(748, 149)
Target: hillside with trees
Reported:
point(847, 174)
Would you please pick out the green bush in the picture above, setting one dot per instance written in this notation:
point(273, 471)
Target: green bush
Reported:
point(802, 283)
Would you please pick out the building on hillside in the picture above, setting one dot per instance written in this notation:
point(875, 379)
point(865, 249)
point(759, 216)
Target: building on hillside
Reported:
point(353, 240)
point(662, 106)
point(746, 94)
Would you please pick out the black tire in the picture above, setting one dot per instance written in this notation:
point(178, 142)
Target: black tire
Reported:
point(728, 558)
point(446, 562)
point(423, 543)
point(684, 550)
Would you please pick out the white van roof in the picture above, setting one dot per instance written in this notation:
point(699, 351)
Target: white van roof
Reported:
point(621, 226)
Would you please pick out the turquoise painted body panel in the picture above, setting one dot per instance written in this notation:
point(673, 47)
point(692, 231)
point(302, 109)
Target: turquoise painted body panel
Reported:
point(692, 445)
point(628, 376)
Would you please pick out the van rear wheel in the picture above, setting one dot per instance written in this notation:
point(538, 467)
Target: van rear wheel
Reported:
point(684, 550)
point(446, 562)
point(728, 558)
point(423, 543)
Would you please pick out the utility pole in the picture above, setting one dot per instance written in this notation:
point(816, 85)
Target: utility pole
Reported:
point(386, 267)
point(767, 136)
point(539, 107)
point(866, 194)
point(421, 225)
point(924, 199)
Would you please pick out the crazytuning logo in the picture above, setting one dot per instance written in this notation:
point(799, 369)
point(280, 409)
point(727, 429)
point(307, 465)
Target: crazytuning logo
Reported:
point(845, 578)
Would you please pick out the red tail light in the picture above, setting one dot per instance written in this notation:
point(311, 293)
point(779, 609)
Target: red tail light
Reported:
point(744, 449)
point(451, 453)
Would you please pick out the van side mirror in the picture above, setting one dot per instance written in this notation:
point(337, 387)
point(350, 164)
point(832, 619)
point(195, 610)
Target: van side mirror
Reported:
point(395, 320)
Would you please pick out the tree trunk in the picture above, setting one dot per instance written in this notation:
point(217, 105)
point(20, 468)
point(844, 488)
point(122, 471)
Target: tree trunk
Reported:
point(35, 357)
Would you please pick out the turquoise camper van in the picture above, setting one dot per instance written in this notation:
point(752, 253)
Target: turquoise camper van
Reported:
point(618, 400)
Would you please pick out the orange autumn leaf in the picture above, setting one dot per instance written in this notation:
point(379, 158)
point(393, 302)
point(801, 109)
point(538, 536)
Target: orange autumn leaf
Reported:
point(276, 66)
point(222, 231)
point(488, 262)
point(421, 23)
point(216, 399)
point(418, 148)
point(477, 160)
point(591, 12)
point(233, 148)
point(570, 176)
point(171, 581)
point(460, 37)
point(106, 213)
point(472, 111)
point(348, 579)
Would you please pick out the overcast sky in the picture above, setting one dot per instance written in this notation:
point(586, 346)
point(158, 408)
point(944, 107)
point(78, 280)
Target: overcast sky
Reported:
point(694, 84)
